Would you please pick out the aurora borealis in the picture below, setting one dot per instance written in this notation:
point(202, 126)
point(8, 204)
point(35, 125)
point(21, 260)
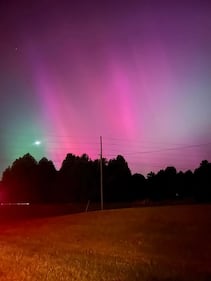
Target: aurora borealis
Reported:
point(136, 73)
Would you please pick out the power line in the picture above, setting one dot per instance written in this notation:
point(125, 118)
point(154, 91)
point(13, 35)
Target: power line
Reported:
point(172, 148)
point(101, 172)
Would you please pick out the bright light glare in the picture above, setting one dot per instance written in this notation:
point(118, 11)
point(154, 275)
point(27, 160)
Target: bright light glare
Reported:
point(14, 204)
point(37, 142)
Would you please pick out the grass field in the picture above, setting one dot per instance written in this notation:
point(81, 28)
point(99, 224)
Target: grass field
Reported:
point(146, 244)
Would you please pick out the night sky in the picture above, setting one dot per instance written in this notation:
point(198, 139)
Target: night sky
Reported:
point(136, 73)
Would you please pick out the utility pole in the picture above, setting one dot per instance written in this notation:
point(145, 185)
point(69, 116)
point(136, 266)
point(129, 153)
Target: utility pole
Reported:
point(101, 172)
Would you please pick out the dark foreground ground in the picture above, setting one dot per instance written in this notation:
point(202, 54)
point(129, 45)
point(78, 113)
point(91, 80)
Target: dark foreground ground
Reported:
point(163, 243)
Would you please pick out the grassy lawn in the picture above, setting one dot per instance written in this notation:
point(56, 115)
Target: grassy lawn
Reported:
point(146, 244)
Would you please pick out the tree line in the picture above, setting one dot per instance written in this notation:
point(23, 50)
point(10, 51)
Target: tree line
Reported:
point(78, 180)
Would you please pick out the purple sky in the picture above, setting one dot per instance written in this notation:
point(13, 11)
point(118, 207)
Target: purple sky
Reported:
point(135, 72)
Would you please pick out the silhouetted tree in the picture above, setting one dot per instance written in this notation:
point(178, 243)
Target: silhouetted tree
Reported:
point(138, 189)
point(152, 188)
point(118, 180)
point(95, 190)
point(83, 178)
point(46, 180)
point(66, 179)
point(78, 180)
point(20, 179)
point(170, 190)
point(202, 176)
point(163, 185)
point(7, 185)
point(185, 184)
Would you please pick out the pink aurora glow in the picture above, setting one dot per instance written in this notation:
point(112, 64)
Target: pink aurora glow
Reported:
point(136, 75)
